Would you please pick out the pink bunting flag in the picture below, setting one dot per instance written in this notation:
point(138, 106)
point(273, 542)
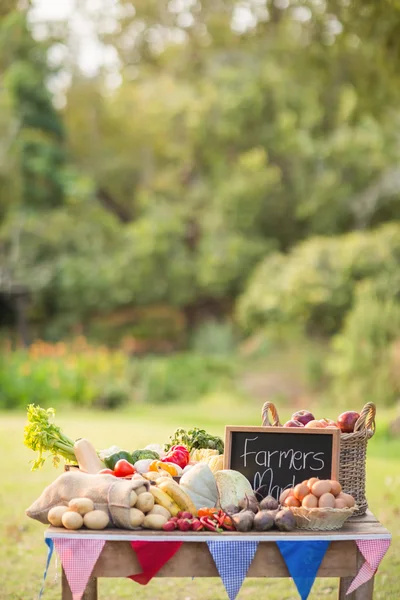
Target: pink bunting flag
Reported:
point(373, 551)
point(78, 558)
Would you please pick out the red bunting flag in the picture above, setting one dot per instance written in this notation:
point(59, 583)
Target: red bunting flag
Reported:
point(373, 551)
point(78, 558)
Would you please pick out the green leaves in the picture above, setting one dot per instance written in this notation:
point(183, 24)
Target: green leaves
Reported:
point(42, 436)
point(195, 439)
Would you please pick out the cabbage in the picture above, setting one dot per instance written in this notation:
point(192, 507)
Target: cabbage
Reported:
point(232, 487)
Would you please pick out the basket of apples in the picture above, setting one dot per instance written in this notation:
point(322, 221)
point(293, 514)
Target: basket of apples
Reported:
point(355, 431)
point(318, 504)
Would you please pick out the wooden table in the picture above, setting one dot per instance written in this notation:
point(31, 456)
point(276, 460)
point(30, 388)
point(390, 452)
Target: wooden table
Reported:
point(193, 559)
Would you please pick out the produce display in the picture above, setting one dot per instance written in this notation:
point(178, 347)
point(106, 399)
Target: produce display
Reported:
point(345, 422)
point(180, 486)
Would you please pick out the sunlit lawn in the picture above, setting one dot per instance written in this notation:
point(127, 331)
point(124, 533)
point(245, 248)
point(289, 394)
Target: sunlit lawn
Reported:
point(22, 551)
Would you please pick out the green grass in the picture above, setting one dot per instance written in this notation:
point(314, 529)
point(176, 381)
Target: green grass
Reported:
point(22, 550)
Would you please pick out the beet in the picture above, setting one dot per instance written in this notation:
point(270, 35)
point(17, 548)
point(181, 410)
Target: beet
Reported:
point(243, 521)
point(285, 520)
point(249, 503)
point(231, 509)
point(269, 503)
point(261, 492)
point(263, 521)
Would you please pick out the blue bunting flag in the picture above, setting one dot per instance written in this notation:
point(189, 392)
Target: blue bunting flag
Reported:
point(303, 560)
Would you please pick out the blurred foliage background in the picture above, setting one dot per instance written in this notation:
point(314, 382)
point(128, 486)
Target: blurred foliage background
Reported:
point(219, 187)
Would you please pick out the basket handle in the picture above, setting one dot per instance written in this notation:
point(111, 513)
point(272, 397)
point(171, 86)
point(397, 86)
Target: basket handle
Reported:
point(269, 406)
point(367, 418)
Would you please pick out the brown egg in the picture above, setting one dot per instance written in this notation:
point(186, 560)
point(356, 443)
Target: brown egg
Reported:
point(321, 487)
point(311, 482)
point(326, 501)
point(300, 491)
point(340, 503)
point(348, 499)
point(310, 501)
point(336, 487)
point(285, 494)
point(292, 501)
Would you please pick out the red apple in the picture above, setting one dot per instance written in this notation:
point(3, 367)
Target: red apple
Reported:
point(293, 423)
point(314, 424)
point(303, 416)
point(347, 420)
point(328, 423)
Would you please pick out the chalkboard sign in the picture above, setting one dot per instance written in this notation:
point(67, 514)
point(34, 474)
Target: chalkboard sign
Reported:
point(280, 457)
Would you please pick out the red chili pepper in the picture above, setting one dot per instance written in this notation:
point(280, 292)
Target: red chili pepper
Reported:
point(209, 524)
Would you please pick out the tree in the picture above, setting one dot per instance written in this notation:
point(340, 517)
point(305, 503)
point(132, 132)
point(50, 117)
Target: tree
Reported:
point(39, 135)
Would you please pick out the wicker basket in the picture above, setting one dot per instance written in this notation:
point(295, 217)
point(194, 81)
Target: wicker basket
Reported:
point(321, 519)
point(353, 451)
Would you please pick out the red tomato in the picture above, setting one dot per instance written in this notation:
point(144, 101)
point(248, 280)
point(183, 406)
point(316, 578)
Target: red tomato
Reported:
point(106, 472)
point(123, 468)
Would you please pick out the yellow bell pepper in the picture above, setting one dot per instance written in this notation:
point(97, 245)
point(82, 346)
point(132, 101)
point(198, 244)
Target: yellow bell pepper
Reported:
point(157, 465)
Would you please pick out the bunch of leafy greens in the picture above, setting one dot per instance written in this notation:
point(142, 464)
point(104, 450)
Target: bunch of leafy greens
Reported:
point(195, 439)
point(42, 436)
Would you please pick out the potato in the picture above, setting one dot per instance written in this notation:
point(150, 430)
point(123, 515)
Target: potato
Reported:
point(145, 502)
point(72, 520)
point(160, 510)
point(136, 517)
point(55, 515)
point(81, 505)
point(141, 490)
point(154, 522)
point(96, 519)
point(132, 499)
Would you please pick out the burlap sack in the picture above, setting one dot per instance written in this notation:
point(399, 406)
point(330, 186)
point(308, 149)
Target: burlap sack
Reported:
point(107, 492)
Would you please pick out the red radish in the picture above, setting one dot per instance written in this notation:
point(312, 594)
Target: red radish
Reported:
point(185, 515)
point(183, 524)
point(169, 526)
point(196, 525)
point(174, 519)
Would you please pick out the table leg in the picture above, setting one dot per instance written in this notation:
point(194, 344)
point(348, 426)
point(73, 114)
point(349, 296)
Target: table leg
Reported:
point(364, 592)
point(90, 592)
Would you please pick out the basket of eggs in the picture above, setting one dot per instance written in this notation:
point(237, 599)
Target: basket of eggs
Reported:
point(318, 504)
point(356, 429)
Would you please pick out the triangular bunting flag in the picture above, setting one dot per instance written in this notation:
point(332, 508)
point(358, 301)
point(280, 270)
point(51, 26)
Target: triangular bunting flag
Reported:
point(152, 556)
point(303, 560)
point(373, 551)
point(50, 545)
point(232, 560)
point(78, 558)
